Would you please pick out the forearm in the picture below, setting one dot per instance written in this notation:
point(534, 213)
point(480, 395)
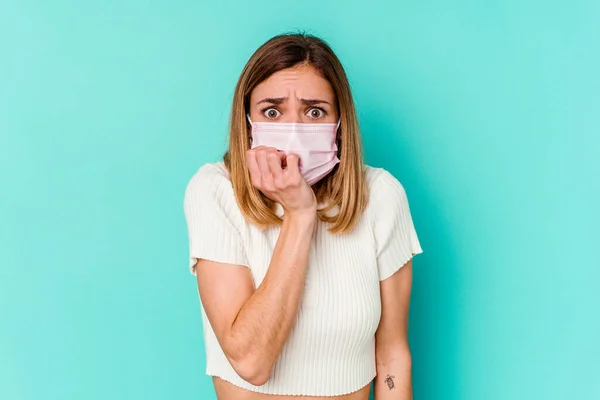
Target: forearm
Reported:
point(265, 320)
point(394, 375)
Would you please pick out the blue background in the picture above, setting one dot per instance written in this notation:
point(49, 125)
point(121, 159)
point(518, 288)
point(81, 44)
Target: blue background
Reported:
point(487, 112)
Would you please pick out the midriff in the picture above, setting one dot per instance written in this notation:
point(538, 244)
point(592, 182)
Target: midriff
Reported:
point(228, 391)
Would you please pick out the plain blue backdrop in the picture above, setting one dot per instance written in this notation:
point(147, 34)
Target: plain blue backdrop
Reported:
point(487, 112)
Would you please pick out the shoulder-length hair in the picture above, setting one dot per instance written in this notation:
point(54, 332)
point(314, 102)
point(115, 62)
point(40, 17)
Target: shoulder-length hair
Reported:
point(344, 188)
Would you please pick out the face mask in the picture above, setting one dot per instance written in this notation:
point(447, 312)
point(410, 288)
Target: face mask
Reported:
point(315, 144)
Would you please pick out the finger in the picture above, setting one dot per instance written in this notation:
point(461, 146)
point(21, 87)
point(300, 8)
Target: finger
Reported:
point(274, 159)
point(253, 167)
point(293, 164)
point(265, 171)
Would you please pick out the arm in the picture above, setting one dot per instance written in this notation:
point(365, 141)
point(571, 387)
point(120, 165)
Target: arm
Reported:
point(392, 353)
point(252, 326)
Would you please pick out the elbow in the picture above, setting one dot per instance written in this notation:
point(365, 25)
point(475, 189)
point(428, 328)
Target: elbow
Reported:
point(252, 370)
point(248, 361)
point(255, 370)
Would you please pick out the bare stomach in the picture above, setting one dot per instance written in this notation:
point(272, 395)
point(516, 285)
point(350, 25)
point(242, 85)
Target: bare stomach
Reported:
point(227, 391)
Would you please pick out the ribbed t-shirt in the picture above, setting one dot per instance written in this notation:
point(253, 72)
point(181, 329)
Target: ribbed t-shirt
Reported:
point(331, 348)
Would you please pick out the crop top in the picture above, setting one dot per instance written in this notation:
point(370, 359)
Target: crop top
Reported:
point(331, 348)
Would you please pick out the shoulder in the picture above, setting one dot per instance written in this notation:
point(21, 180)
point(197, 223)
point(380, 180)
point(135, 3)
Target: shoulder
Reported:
point(209, 178)
point(211, 185)
point(382, 184)
point(387, 196)
point(208, 175)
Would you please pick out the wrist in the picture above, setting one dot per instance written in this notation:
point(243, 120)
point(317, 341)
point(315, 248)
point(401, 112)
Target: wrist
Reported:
point(306, 218)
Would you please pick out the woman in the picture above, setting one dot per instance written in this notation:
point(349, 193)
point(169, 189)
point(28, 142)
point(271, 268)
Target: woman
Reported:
point(302, 253)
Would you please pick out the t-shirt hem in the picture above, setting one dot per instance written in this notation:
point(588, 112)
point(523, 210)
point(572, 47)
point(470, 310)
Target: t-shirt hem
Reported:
point(282, 392)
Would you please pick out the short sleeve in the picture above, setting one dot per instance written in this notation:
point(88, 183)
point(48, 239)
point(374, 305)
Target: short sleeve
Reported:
point(213, 219)
point(393, 229)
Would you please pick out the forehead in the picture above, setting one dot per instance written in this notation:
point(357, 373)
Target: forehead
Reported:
point(301, 81)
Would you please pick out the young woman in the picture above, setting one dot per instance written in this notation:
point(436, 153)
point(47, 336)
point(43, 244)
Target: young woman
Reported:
point(302, 253)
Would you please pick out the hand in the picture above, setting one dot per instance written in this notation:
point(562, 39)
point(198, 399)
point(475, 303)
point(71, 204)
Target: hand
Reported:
point(278, 176)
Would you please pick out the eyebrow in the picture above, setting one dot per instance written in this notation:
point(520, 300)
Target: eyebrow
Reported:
point(280, 100)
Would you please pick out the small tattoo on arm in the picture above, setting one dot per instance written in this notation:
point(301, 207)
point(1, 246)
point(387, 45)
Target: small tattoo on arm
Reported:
point(390, 381)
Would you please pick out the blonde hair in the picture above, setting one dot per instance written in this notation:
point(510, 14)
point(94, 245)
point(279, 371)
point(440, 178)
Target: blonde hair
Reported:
point(345, 186)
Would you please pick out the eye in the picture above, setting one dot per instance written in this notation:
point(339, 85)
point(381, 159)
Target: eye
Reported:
point(271, 113)
point(316, 113)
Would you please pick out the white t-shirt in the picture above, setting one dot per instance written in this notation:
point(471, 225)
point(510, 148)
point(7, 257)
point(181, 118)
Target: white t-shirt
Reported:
point(331, 348)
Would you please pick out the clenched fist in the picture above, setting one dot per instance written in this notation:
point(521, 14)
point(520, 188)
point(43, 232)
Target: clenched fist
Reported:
point(278, 176)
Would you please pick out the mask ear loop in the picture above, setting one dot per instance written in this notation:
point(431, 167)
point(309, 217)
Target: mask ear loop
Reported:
point(251, 126)
point(337, 128)
point(338, 138)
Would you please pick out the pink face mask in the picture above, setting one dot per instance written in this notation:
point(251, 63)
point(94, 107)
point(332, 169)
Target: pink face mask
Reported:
point(315, 144)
